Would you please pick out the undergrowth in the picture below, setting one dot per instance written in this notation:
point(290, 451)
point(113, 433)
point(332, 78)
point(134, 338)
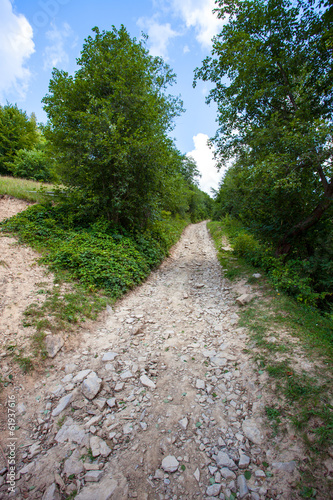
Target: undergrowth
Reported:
point(282, 332)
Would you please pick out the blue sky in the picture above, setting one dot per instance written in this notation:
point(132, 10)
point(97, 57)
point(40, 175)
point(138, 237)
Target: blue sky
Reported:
point(37, 35)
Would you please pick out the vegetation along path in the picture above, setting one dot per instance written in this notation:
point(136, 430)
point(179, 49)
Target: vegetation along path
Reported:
point(156, 400)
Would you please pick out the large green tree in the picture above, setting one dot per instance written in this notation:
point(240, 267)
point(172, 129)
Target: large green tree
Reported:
point(17, 131)
point(271, 68)
point(109, 126)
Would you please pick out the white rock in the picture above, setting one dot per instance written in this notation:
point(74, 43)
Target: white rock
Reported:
point(109, 356)
point(52, 493)
point(128, 428)
point(73, 464)
point(214, 490)
point(183, 423)
point(147, 382)
point(197, 474)
point(72, 432)
point(242, 486)
point(223, 460)
point(126, 375)
point(200, 384)
point(91, 385)
point(111, 402)
point(170, 464)
point(252, 431)
point(93, 476)
point(99, 447)
point(244, 461)
point(227, 473)
point(53, 344)
point(63, 403)
point(81, 375)
point(244, 299)
point(105, 490)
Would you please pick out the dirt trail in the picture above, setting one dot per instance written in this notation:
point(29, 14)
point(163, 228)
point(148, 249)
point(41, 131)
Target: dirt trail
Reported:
point(160, 393)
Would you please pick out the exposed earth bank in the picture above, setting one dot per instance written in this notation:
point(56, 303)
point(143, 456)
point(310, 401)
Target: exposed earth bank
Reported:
point(155, 400)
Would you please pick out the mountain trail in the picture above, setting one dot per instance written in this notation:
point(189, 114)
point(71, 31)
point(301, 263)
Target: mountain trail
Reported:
point(155, 400)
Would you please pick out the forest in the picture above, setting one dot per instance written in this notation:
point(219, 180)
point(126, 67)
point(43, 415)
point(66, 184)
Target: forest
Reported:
point(125, 192)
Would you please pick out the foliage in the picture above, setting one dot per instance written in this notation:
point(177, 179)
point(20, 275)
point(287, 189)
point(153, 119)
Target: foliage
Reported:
point(17, 131)
point(97, 254)
point(31, 164)
point(271, 70)
point(108, 125)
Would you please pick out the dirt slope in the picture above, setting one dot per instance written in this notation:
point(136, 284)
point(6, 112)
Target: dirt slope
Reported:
point(158, 391)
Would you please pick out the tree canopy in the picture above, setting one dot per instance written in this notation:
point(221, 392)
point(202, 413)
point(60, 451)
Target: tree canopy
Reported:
point(271, 69)
point(17, 131)
point(109, 126)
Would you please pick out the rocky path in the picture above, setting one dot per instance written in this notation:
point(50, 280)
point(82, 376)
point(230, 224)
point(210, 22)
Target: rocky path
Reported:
point(156, 401)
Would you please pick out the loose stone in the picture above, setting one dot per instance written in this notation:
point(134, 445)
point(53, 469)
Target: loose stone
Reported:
point(170, 464)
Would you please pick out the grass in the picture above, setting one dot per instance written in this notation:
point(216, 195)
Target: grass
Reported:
point(298, 361)
point(24, 189)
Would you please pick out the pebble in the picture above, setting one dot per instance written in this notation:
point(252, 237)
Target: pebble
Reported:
point(63, 403)
point(242, 486)
point(223, 460)
point(214, 490)
point(252, 431)
point(170, 464)
point(91, 385)
point(145, 381)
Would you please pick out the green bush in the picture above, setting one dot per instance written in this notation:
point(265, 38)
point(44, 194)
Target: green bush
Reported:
point(98, 255)
point(31, 164)
point(294, 277)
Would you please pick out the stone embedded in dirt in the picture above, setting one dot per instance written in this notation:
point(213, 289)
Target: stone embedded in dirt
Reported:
point(109, 356)
point(105, 490)
point(147, 382)
point(119, 386)
point(170, 464)
point(200, 285)
point(126, 375)
point(218, 361)
point(52, 493)
point(242, 486)
point(183, 423)
point(100, 403)
point(53, 344)
point(99, 447)
point(200, 384)
point(21, 409)
point(27, 469)
point(71, 432)
point(34, 450)
point(91, 385)
point(244, 461)
point(214, 490)
point(63, 403)
point(128, 428)
point(223, 460)
point(196, 474)
point(70, 368)
point(259, 473)
point(93, 476)
point(227, 473)
point(244, 299)
point(285, 466)
point(256, 275)
point(81, 375)
point(111, 402)
point(73, 464)
point(252, 431)
point(159, 474)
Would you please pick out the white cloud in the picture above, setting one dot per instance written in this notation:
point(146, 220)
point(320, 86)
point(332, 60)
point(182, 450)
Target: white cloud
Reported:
point(186, 49)
point(159, 35)
point(198, 14)
point(203, 155)
point(16, 46)
point(60, 39)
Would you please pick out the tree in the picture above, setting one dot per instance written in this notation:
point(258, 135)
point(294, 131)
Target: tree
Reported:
point(271, 70)
point(109, 123)
point(17, 131)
